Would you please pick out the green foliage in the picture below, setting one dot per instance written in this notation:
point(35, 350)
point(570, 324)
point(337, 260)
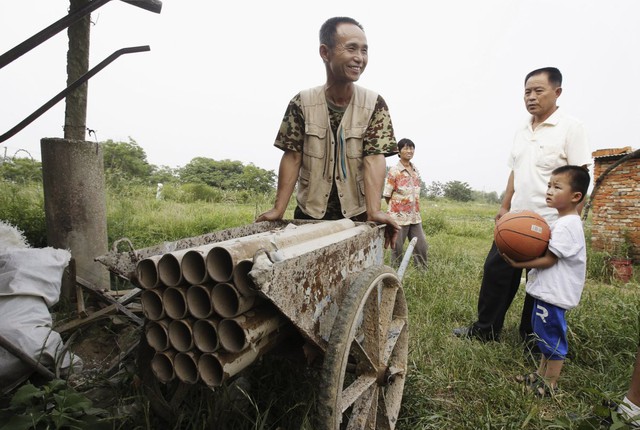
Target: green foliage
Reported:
point(458, 191)
point(228, 175)
point(22, 205)
point(434, 190)
point(163, 175)
point(52, 406)
point(125, 160)
point(20, 170)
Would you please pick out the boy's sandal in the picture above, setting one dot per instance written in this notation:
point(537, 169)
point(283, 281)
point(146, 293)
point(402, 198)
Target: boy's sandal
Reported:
point(528, 379)
point(541, 389)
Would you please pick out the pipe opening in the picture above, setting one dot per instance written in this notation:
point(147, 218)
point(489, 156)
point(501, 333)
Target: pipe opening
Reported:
point(210, 370)
point(180, 335)
point(169, 270)
point(152, 304)
point(157, 334)
point(175, 302)
point(186, 367)
point(199, 301)
point(205, 335)
point(241, 278)
point(194, 268)
point(219, 264)
point(232, 336)
point(147, 274)
point(162, 366)
point(225, 300)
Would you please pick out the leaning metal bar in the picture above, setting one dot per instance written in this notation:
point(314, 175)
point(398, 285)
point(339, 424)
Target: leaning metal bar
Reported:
point(66, 21)
point(62, 94)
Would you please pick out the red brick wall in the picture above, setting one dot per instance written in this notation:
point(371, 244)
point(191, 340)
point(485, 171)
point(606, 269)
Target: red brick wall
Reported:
point(616, 205)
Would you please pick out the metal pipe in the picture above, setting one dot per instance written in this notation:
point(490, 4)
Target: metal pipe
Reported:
point(152, 304)
point(77, 83)
point(146, 275)
point(181, 334)
point(312, 245)
point(228, 302)
point(162, 365)
point(215, 368)
point(241, 278)
point(222, 259)
point(194, 265)
point(186, 366)
point(175, 302)
point(157, 334)
point(406, 258)
point(205, 334)
point(170, 270)
point(199, 300)
point(238, 333)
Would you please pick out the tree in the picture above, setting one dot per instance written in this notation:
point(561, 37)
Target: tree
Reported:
point(227, 175)
point(458, 191)
point(434, 190)
point(21, 170)
point(126, 160)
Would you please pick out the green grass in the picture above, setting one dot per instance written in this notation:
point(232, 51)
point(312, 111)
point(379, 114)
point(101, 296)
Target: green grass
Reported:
point(453, 383)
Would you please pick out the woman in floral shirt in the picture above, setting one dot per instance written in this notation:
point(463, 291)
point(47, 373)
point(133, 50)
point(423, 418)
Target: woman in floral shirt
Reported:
point(402, 193)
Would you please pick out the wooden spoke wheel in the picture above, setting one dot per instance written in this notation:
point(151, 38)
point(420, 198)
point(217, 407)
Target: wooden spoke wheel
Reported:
point(365, 364)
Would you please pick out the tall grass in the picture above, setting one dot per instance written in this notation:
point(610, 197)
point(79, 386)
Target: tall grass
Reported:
point(453, 383)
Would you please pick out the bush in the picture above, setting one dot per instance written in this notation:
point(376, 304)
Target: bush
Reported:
point(23, 207)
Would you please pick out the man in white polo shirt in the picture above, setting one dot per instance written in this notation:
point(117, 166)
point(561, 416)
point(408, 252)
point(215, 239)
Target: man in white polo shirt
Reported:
point(548, 140)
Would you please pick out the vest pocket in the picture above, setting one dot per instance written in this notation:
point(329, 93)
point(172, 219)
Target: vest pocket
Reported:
point(314, 143)
point(354, 138)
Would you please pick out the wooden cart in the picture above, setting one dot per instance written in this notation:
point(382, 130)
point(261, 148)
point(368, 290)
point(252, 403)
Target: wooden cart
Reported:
point(342, 299)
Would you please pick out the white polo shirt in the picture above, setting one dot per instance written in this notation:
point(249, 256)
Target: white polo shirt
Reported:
point(558, 141)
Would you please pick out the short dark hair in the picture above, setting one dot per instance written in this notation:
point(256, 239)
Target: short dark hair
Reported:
point(553, 74)
point(405, 142)
point(578, 178)
point(328, 29)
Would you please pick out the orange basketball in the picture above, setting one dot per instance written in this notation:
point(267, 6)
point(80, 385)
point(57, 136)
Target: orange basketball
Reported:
point(522, 235)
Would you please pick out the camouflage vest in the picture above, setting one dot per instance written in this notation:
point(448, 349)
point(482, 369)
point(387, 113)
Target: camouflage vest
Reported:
point(326, 158)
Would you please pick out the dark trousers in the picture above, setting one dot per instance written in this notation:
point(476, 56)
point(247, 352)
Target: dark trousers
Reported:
point(499, 286)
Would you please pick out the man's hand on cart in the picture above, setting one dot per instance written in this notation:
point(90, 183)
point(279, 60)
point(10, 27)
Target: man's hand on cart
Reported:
point(391, 230)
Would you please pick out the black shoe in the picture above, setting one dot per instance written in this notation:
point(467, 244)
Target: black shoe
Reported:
point(471, 332)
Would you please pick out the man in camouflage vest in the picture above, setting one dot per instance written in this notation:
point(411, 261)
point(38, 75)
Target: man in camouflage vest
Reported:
point(335, 138)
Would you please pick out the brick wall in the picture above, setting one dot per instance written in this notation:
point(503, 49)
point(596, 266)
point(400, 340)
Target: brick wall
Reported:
point(616, 205)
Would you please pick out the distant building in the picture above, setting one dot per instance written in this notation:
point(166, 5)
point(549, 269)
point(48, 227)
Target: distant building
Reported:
point(616, 201)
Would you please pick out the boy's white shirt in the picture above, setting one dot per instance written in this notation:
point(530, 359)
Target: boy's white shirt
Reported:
point(562, 284)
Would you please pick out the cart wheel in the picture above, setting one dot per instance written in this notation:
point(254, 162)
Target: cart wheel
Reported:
point(366, 360)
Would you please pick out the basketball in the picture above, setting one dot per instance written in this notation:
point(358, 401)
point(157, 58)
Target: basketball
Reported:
point(522, 235)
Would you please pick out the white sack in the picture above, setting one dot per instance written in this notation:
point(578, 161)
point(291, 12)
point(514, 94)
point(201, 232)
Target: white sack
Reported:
point(30, 281)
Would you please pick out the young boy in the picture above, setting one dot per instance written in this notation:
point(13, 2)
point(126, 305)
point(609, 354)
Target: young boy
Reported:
point(557, 278)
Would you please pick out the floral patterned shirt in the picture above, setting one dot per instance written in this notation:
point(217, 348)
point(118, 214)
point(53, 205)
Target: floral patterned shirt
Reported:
point(403, 190)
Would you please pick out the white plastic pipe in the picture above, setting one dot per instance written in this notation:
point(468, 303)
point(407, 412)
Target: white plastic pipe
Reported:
point(199, 300)
point(152, 304)
point(147, 272)
point(175, 302)
point(205, 334)
point(157, 334)
point(228, 302)
point(238, 333)
point(186, 366)
point(162, 365)
point(181, 334)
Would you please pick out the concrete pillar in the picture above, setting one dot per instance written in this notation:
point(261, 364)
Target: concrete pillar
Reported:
point(75, 204)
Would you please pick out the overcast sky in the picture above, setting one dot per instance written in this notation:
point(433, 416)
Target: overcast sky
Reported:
point(220, 74)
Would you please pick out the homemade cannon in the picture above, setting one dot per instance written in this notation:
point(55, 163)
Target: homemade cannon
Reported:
point(217, 302)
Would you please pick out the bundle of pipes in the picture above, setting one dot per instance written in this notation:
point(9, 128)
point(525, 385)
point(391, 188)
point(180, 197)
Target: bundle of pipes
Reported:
point(207, 321)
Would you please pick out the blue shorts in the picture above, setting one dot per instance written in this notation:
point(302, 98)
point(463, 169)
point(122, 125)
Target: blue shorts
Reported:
point(550, 327)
